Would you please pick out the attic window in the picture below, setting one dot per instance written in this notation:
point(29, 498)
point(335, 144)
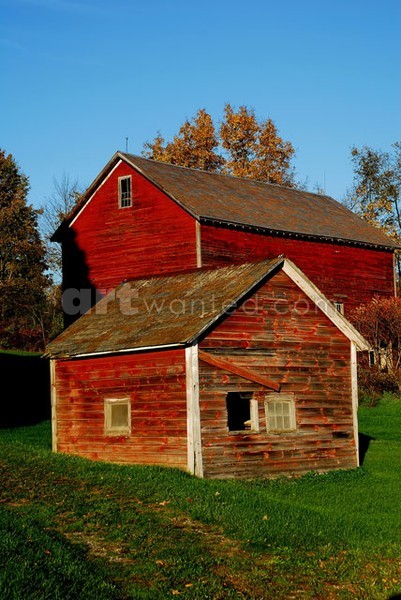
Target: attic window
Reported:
point(242, 412)
point(339, 306)
point(117, 416)
point(280, 413)
point(124, 192)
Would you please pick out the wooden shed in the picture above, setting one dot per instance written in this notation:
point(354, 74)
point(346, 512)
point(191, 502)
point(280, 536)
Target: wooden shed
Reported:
point(239, 371)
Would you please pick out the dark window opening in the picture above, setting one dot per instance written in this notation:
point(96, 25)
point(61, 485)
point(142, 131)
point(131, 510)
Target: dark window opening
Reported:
point(125, 196)
point(339, 306)
point(372, 358)
point(238, 411)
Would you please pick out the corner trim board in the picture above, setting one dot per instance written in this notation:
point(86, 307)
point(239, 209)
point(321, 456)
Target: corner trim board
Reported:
point(53, 399)
point(194, 442)
point(354, 394)
point(198, 244)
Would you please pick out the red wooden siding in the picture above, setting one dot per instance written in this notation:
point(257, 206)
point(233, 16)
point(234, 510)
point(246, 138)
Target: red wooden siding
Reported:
point(281, 335)
point(155, 384)
point(106, 245)
point(343, 273)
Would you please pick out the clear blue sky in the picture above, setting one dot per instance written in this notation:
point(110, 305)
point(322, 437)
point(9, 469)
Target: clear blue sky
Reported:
point(78, 76)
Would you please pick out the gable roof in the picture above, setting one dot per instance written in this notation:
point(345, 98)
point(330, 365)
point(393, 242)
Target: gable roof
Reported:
point(175, 310)
point(233, 201)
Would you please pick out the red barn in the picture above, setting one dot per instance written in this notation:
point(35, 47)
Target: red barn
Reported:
point(142, 217)
point(206, 351)
point(238, 371)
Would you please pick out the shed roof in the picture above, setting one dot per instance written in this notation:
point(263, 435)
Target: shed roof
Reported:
point(234, 201)
point(175, 310)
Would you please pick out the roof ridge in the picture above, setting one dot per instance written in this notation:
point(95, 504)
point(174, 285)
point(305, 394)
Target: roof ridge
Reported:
point(227, 175)
point(199, 270)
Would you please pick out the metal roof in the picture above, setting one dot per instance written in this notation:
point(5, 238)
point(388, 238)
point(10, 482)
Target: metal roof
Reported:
point(160, 311)
point(234, 201)
point(175, 310)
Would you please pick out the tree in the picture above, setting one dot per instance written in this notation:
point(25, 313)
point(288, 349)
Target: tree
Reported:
point(254, 148)
point(376, 191)
point(22, 262)
point(53, 211)
point(194, 146)
point(243, 146)
point(380, 322)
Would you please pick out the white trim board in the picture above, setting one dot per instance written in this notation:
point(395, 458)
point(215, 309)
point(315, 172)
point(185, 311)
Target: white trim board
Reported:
point(95, 192)
point(309, 288)
point(194, 443)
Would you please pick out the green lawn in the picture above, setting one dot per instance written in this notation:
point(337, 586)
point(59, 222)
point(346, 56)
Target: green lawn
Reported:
point(70, 528)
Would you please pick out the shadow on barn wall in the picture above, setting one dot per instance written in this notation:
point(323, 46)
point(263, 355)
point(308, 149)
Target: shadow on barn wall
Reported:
point(25, 399)
point(75, 279)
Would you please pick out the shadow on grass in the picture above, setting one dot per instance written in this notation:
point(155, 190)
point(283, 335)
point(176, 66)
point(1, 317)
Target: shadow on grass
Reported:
point(364, 441)
point(26, 389)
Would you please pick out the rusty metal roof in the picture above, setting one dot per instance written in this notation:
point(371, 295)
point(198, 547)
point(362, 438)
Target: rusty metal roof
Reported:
point(234, 201)
point(160, 311)
point(175, 310)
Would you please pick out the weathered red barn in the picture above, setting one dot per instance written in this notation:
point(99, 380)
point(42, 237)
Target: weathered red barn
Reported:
point(237, 371)
point(141, 217)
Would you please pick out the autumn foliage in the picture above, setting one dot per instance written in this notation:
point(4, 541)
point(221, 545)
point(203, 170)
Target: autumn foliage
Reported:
point(380, 322)
point(22, 263)
point(243, 146)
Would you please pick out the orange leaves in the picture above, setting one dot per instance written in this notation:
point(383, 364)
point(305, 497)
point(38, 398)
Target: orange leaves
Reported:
point(243, 146)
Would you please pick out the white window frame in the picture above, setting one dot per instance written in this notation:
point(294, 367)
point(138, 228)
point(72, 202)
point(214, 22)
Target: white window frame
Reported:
point(127, 201)
point(287, 400)
point(109, 429)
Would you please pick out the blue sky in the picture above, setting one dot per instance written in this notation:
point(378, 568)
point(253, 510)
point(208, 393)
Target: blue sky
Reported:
point(78, 76)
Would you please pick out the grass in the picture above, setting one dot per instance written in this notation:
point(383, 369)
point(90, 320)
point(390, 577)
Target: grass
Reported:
point(70, 528)
point(20, 353)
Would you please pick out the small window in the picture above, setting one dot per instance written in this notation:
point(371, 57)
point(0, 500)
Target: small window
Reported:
point(372, 358)
point(339, 306)
point(117, 416)
point(280, 413)
point(242, 412)
point(124, 192)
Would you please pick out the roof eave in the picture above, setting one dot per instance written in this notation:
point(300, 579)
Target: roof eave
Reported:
point(67, 356)
point(57, 235)
point(295, 234)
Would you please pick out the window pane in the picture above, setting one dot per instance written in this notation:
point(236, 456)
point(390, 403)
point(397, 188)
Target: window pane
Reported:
point(119, 415)
point(280, 413)
point(125, 192)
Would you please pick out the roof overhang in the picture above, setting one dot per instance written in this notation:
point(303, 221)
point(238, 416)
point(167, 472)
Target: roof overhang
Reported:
point(119, 157)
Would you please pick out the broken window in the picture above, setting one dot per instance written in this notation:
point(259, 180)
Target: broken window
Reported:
point(242, 412)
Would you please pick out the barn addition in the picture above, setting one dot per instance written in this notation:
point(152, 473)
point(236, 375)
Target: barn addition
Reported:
point(245, 370)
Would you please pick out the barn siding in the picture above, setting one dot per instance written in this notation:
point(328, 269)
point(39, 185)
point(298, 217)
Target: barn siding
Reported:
point(106, 245)
point(156, 384)
point(279, 334)
point(343, 273)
